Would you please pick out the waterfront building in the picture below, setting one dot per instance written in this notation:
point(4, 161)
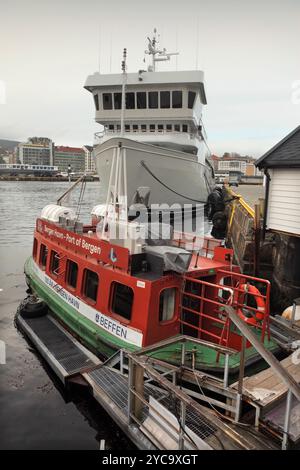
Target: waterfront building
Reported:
point(36, 151)
point(89, 158)
point(65, 157)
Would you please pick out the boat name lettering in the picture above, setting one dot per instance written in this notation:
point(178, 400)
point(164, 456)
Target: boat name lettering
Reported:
point(71, 239)
point(64, 294)
point(109, 325)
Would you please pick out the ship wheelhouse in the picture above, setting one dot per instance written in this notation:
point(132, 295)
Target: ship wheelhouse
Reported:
point(161, 108)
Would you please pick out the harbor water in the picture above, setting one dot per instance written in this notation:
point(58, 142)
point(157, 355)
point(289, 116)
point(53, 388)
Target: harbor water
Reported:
point(35, 411)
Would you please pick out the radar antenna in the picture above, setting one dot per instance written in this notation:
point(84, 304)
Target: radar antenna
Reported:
point(158, 55)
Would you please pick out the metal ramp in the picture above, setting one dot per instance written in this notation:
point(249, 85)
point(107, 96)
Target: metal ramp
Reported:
point(66, 356)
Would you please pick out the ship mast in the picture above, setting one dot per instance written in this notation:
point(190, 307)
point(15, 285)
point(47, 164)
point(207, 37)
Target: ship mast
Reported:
point(153, 50)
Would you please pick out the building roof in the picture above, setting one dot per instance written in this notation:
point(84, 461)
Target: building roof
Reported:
point(181, 77)
point(88, 147)
point(285, 154)
point(62, 148)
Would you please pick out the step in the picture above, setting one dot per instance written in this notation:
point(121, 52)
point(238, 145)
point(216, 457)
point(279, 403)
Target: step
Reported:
point(62, 351)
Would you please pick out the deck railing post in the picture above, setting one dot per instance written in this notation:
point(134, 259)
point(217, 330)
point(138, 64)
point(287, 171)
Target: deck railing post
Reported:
point(130, 385)
point(182, 425)
point(287, 420)
point(226, 371)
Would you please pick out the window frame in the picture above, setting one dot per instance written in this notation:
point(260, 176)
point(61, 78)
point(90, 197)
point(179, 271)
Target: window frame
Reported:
point(96, 101)
point(165, 92)
point(42, 246)
point(52, 258)
point(175, 309)
point(153, 93)
point(138, 102)
point(83, 289)
point(181, 95)
point(69, 261)
point(34, 248)
point(190, 92)
point(120, 316)
point(105, 106)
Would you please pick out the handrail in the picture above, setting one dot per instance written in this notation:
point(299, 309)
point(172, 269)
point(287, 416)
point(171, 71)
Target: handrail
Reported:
point(239, 199)
point(265, 353)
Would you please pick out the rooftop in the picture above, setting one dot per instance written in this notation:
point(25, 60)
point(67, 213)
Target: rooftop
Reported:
point(284, 154)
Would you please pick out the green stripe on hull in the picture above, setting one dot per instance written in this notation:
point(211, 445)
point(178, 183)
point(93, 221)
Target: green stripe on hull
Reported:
point(91, 335)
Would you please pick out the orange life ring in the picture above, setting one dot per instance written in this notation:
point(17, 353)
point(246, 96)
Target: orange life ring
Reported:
point(257, 315)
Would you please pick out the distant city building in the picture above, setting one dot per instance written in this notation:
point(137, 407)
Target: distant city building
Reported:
point(36, 151)
point(242, 166)
point(89, 158)
point(69, 156)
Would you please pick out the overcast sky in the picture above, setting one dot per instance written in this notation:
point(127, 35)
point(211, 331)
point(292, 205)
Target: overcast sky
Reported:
point(249, 51)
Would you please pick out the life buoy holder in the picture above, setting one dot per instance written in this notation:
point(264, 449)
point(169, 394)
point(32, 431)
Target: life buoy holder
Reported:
point(256, 316)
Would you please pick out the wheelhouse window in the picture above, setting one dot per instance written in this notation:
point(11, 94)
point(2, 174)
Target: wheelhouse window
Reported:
point(43, 255)
point(165, 99)
point(176, 99)
point(107, 100)
point(34, 249)
point(111, 127)
point(169, 127)
point(117, 100)
point(141, 100)
point(177, 128)
point(130, 100)
point(160, 127)
point(191, 99)
point(184, 128)
point(72, 273)
point(167, 304)
point(127, 128)
point(152, 127)
point(96, 101)
point(153, 99)
point(135, 127)
point(54, 262)
point(143, 128)
point(122, 300)
point(90, 285)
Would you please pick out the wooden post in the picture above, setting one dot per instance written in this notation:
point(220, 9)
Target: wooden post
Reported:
point(256, 239)
point(138, 386)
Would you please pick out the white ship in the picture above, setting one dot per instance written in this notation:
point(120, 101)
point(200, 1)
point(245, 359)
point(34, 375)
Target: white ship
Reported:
point(155, 119)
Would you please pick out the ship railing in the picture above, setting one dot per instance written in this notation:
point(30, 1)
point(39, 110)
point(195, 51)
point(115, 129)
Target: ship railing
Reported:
point(201, 245)
point(211, 299)
point(98, 136)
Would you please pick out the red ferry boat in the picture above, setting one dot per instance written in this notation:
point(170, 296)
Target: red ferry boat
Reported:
point(130, 294)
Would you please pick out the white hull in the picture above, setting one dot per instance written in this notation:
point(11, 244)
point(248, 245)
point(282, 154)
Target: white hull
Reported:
point(182, 179)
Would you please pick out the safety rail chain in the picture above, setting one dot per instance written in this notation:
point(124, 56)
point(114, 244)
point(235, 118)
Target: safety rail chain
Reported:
point(236, 292)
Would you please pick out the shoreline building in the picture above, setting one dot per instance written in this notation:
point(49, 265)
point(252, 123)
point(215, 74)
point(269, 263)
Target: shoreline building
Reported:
point(36, 151)
point(65, 157)
point(89, 159)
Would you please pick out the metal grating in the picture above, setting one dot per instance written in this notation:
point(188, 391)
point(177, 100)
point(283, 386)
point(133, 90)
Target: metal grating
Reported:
point(70, 357)
point(116, 387)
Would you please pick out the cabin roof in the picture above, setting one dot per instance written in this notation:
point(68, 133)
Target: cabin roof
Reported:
point(284, 154)
point(192, 77)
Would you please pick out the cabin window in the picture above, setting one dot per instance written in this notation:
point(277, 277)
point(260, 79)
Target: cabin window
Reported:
point(153, 99)
point(160, 127)
point(167, 304)
point(117, 100)
point(34, 249)
point(135, 127)
point(90, 285)
point(71, 273)
point(107, 101)
point(127, 128)
point(111, 127)
point(177, 128)
point(43, 255)
point(176, 99)
point(96, 101)
point(165, 99)
point(118, 127)
point(191, 99)
point(130, 100)
point(143, 128)
point(54, 262)
point(152, 127)
point(122, 300)
point(169, 127)
point(184, 128)
point(141, 100)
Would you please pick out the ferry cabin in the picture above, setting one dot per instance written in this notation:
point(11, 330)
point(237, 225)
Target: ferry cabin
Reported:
point(112, 300)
